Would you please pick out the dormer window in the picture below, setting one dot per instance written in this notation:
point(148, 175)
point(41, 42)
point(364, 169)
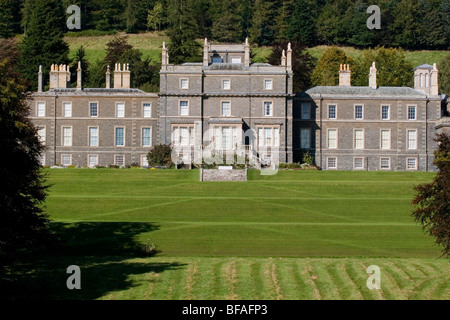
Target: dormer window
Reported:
point(216, 58)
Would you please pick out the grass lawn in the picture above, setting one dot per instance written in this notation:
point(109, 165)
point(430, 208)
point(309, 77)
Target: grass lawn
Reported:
point(291, 214)
point(295, 235)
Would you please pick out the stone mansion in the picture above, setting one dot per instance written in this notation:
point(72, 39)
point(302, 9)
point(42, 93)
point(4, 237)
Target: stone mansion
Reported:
point(216, 103)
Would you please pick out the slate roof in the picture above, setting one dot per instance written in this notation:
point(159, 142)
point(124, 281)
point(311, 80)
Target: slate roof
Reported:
point(363, 92)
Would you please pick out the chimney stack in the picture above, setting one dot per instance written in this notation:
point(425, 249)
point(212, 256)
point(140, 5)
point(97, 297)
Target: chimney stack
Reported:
point(345, 76)
point(434, 90)
point(206, 53)
point(247, 53)
point(165, 57)
point(40, 81)
point(59, 76)
point(283, 58)
point(373, 77)
point(289, 57)
point(122, 76)
point(79, 76)
point(108, 78)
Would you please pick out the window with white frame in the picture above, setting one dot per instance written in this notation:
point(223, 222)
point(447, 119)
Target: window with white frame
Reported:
point(226, 84)
point(411, 113)
point(144, 161)
point(268, 84)
point(92, 160)
point(183, 135)
point(93, 109)
point(268, 108)
point(147, 110)
point(359, 112)
point(67, 109)
point(67, 136)
point(93, 136)
point(66, 159)
point(120, 110)
point(119, 160)
point(305, 138)
point(385, 163)
point(225, 137)
point(332, 163)
point(226, 108)
point(269, 136)
point(184, 108)
point(385, 112)
point(146, 137)
point(306, 111)
point(332, 112)
point(359, 139)
point(411, 163)
point(358, 163)
point(412, 139)
point(41, 132)
point(184, 83)
point(40, 109)
point(120, 136)
point(385, 139)
point(332, 138)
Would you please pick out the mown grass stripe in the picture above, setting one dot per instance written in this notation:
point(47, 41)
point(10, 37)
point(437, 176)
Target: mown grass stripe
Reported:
point(347, 288)
point(324, 281)
point(393, 281)
point(357, 274)
point(231, 277)
point(442, 289)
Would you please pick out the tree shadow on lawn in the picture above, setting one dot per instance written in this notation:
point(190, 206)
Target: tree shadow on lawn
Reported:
point(98, 248)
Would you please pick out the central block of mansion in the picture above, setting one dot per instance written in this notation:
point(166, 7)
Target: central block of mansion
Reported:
point(228, 104)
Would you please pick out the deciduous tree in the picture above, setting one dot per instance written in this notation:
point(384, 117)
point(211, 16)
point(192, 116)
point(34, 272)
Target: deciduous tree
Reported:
point(432, 202)
point(326, 73)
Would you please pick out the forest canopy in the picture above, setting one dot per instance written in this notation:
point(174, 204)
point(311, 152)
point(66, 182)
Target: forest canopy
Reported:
point(410, 24)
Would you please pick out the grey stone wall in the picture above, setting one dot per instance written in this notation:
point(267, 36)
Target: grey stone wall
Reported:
point(223, 175)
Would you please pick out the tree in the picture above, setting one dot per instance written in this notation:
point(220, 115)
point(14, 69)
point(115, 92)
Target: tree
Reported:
point(24, 227)
point(326, 73)
point(137, 14)
point(43, 42)
point(302, 24)
point(9, 18)
point(182, 32)
point(407, 24)
point(444, 75)
point(80, 56)
point(160, 156)
point(333, 22)
point(432, 202)
point(263, 26)
point(393, 70)
point(227, 27)
point(155, 17)
point(302, 64)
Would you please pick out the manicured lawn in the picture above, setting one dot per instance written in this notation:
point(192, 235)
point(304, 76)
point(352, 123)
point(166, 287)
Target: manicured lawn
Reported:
point(298, 235)
point(291, 214)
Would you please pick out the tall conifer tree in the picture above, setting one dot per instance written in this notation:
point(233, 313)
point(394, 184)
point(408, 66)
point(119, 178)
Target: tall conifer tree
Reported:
point(43, 42)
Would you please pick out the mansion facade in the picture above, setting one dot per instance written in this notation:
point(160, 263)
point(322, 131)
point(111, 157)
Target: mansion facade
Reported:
point(227, 104)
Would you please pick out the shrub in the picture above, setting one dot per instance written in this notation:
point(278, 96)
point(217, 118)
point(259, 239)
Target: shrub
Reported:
point(149, 248)
point(308, 158)
point(160, 156)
